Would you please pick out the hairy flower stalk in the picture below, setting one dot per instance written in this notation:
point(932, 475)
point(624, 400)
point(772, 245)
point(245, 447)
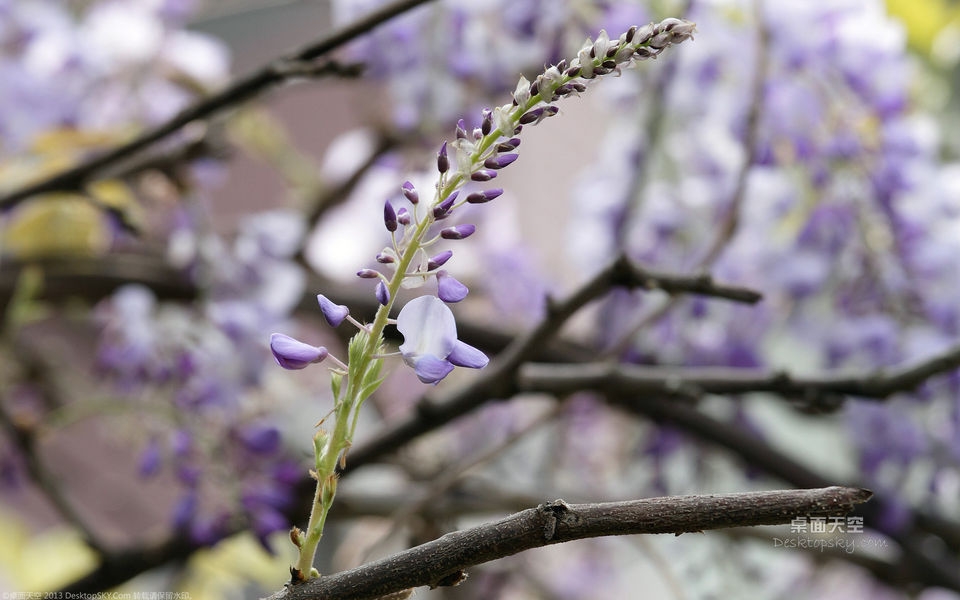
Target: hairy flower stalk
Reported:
point(430, 344)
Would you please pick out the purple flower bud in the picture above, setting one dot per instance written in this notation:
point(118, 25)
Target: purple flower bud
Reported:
point(531, 116)
point(333, 313)
point(443, 163)
point(293, 354)
point(487, 124)
point(389, 216)
point(442, 210)
point(484, 196)
point(403, 216)
point(439, 260)
point(449, 289)
point(410, 192)
point(385, 259)
point(499, 162)
point(461, 130)
point(383, 294)
point(483, 175)
point(457, 232)
point(367, 274)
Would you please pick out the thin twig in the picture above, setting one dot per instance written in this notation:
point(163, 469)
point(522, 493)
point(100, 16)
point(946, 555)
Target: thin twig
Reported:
point(24, 437)
point(278, 71)
point(443, 561)
point(449, 476)
point(730, 223)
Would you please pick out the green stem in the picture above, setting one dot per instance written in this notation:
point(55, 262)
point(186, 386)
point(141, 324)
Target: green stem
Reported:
point(348, 406)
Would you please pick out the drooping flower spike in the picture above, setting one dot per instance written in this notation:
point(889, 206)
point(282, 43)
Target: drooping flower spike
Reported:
point(430, 344)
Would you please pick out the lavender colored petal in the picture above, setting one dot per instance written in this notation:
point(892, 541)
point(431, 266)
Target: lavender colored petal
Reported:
point(465, 355)
point(293, 354)
point(428, 328)
point(449, 289)
point(333, 313)
point(430, 369)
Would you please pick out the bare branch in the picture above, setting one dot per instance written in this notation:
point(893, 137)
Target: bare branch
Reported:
point(23, 434)
point(919, 562)
point(443, 561)
point(497, 379)
point(276, 72)
point(823, 392)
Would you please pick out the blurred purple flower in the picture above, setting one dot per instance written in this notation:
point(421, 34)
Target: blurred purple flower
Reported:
point(260, 438)
point(150, 459)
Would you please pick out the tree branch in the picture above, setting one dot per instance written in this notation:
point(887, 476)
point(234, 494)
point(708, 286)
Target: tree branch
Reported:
point(442, 561)
point(921, 559)
point(498, 381)
point(296, 64)
point(823, 392)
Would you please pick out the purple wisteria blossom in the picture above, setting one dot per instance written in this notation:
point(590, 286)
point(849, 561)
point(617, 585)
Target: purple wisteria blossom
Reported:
point(430, 343)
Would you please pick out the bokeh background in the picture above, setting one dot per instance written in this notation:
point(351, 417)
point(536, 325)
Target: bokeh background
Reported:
point(803, 149)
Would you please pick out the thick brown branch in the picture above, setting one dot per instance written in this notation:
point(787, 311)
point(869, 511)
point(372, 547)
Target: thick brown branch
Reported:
point(918, 563)
point(444, 560)
point(297, 64)
point(819, 392)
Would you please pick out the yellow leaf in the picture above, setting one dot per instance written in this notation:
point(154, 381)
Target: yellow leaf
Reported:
point(55, 225)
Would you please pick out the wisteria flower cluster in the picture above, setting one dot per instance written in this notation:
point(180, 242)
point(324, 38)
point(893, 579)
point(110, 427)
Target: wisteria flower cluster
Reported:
point(428, 326)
